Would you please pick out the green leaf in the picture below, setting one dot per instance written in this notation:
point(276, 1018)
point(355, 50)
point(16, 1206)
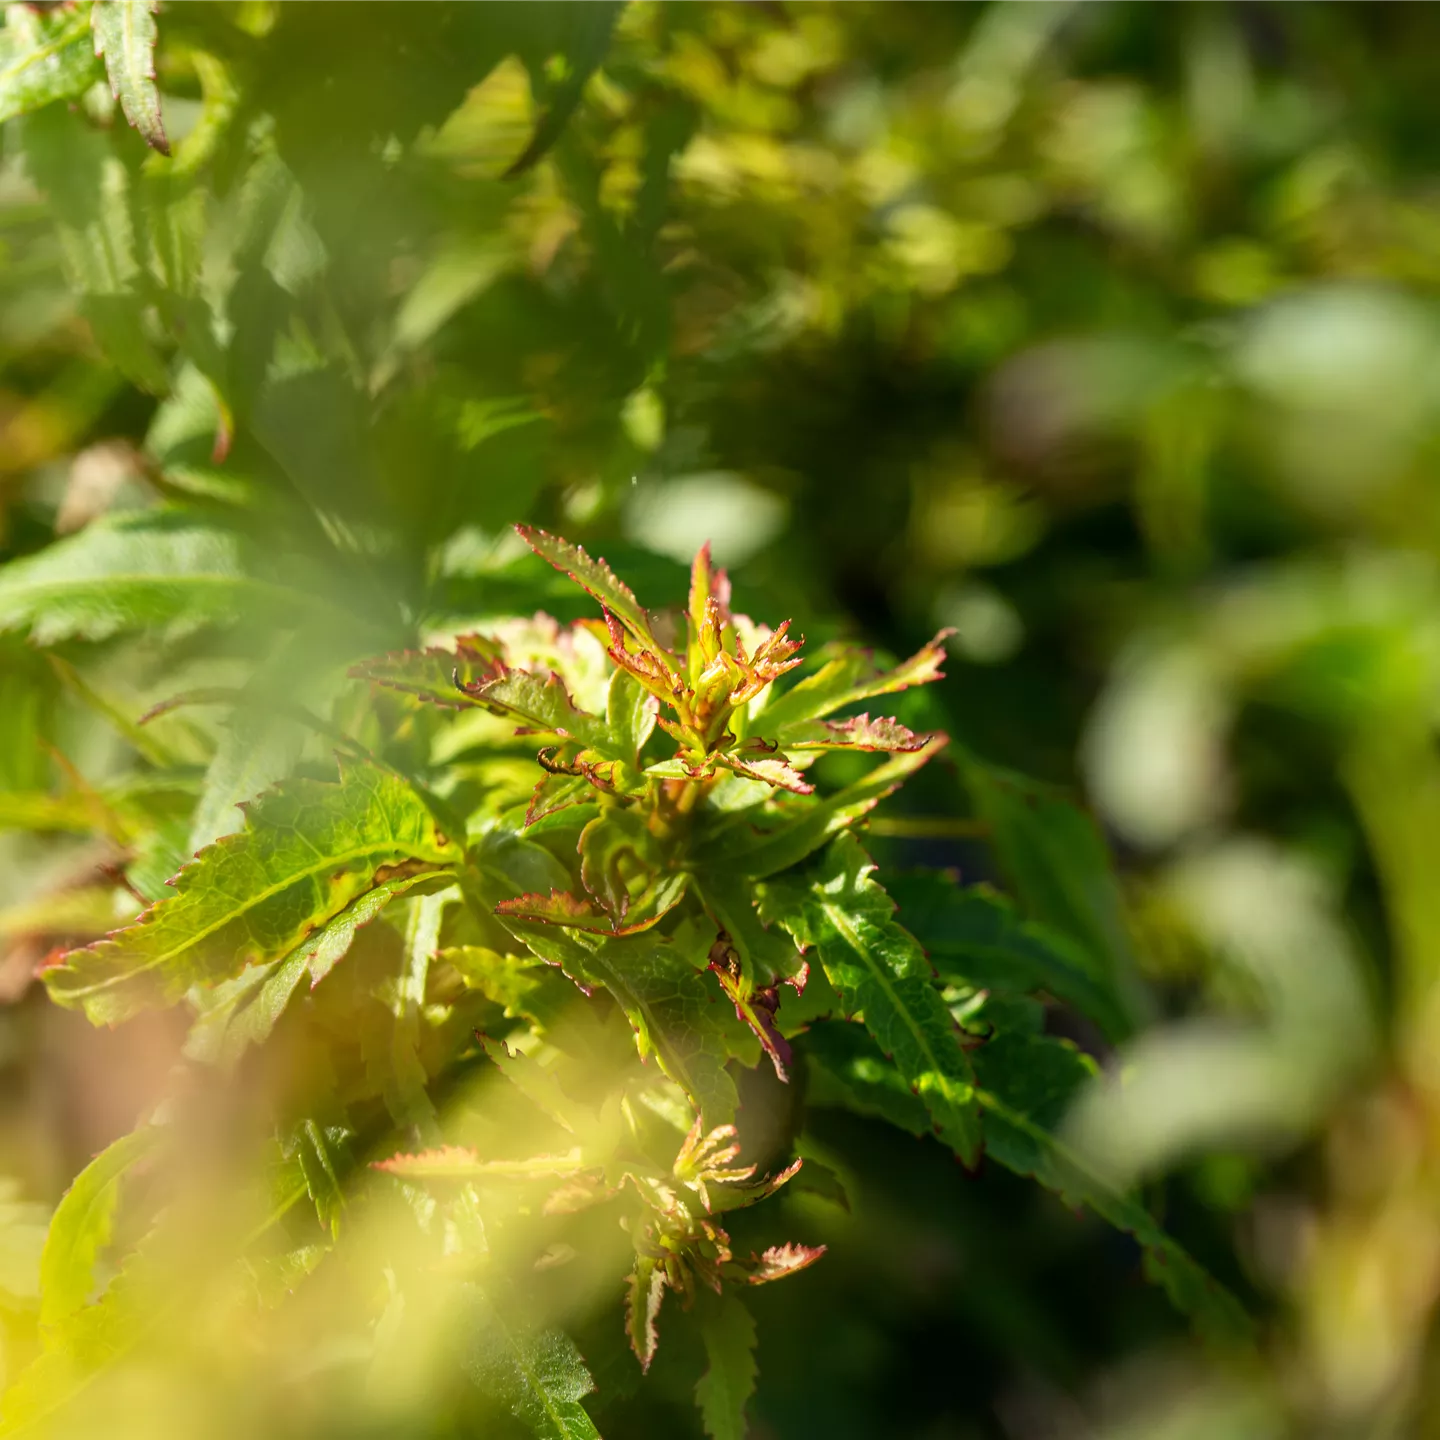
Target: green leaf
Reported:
point(849, 676)
point(644, 1291)
point(244, 1011)
point(810, 825)
point(311, 848)
point(1056, 860)
point(539, 1376)
point(321, 1156)
point(84, 1224)
point(881, 972)
point(1026, 1084)
point(164, 569)
point(597, 578)
point(396, 1064)
point(44, 58)
point(541, 703)
point(538, 1085)
point(433, 674)
point(125, 35)
point(670, 1000)
point(727, 1385)
point(974, 937)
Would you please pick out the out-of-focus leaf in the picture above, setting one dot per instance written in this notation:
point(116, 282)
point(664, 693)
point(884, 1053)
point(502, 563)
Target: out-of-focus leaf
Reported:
point(974, 937)
point(125, 37)
point(435, 675)
point(84, 1224)
point(880, 970)
point(163, 569)
point(310, 848)
point(244, 1011)
point(1055, 857)
point(538, 1376)
point(663, 993)
point(1026, 1084)
point(728, 1383)
point(44, 58)
point(320, 1153)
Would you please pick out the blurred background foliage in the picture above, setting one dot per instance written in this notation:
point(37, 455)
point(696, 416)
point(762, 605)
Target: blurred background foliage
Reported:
point(1104, 334)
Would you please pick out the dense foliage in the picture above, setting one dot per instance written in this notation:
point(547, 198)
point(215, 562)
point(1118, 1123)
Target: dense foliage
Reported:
point(560, 980)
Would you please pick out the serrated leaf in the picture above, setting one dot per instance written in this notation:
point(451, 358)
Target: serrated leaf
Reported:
point(1025, 1085)
point(882, 973)
point(125, 35)
point(538, 1085)
point(248, 1008)
point(435, 674)
point(310, 849)
point(768, 952)
point(975, 937)
point(781, 1260)
point(644, 1291)
point(847, 677)
point(457, 1162)
point(729, 1381)
point(848, 1069)
point(664, 995)
point(83, 1225)
point(597, 578)
point(859, 733)
point(809, 827)
point(320, 1153)
point(539, 1376)
point(44, 58)
point(630, 712)
point(1056, 860)
point(165, 569)
point(540, 703)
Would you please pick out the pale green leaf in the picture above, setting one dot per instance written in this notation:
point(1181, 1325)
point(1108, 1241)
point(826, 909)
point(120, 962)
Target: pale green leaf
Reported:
point(83, 1225)
point(539, 1376)
point(165, 569)
point(125, 36)
point(310, 848)
point(44, 58)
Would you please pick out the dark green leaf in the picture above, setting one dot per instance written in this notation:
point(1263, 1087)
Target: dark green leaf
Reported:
point(882, 973)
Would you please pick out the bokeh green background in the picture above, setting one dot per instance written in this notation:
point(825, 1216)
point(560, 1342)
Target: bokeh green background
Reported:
point(1105, 334)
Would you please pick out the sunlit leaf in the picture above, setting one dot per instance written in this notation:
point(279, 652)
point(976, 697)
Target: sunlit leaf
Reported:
point(309, 849)
point(882, 973)
point(44, 58)
point(125, 37)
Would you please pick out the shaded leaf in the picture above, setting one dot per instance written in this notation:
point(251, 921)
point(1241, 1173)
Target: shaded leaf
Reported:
point(729, 1381)
point(1026, 1084)
point(974, 937)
